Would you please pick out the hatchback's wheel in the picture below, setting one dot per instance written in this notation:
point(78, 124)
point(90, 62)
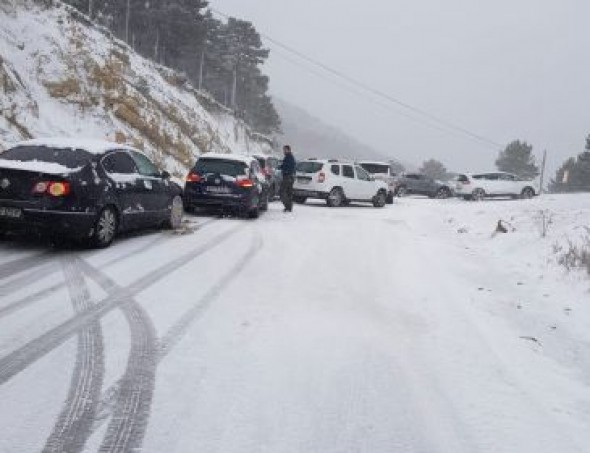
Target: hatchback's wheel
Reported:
point(380, 200)
point(335, 198)
point(401, 191)
point(443, 193)
point(478, 195)
point(174, 221)
point(105, 228)
point(254, 213)
point(527, 193)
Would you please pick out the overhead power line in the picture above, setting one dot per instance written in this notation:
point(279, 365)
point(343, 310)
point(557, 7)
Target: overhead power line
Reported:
point(447, 125)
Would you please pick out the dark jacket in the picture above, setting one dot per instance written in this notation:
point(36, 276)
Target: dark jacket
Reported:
point(288, 166)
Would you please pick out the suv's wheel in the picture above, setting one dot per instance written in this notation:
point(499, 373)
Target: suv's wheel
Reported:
point(300, 200)
point(336, 198)
point(390, 197)
point(105, 228)
point(478, 195)
point(176, 211)
point(527, 192)
point(380, 200)
point(401, 191)
point(254, 213)
point(443, 193)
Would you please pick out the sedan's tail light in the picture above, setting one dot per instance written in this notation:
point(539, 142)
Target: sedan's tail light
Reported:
point(244, 183)
point(321, 177)
point(53, 188)
point(193, 177)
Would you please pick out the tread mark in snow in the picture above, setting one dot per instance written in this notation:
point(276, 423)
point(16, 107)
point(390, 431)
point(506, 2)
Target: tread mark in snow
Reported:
point(17, 361)
point(177, 332)
point(75, 421)
point(132, 410)
point(36, 297)
point(27, 263)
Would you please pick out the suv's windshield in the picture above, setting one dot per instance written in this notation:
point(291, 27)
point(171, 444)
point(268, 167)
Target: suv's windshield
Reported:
point(70, 158)
point(309, 167)
point(376, 169)
point(220, 166)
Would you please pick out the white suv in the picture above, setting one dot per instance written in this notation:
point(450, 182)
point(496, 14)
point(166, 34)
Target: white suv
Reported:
point(494, 184)
point(338, 183)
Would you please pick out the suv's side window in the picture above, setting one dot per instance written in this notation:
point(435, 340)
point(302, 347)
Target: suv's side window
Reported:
point(144, 165)
point(335, 169)
point(362, 174)
point(347, 171)
point(413, 176)
point(119, 162)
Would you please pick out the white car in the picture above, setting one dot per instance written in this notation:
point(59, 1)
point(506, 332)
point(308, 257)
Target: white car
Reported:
point(494, 184)
point(383, 171)
point(338, 183)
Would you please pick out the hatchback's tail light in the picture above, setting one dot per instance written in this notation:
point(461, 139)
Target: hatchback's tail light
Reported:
point(321, 177)
point(244, 183)
point(53, 188)
point(193, 177)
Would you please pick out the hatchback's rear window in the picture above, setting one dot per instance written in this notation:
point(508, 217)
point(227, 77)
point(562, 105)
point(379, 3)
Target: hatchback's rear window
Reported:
point(376, 169)
point(67, 157)
point(220, 166)
point(309, 167)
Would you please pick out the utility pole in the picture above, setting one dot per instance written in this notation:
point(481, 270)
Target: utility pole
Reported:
point(543, 166)
point(90, 8)
point(201, 67)
point(127, 21)
point(234, 89)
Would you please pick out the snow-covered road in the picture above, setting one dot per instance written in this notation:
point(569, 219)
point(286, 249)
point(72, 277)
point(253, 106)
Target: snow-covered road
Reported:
point(407, 329)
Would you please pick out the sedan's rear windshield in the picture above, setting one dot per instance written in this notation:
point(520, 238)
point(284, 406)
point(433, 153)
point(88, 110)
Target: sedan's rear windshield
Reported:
point(376, 169)
point(222, 167)
point(309, 167)
point(67, 157)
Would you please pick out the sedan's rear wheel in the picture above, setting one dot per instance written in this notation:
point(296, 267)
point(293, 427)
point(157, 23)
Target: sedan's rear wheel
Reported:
point(443, 193)
point(335, 198)
point(105, 228)
point(174, 222)
point(527, 193)
point(478, 195)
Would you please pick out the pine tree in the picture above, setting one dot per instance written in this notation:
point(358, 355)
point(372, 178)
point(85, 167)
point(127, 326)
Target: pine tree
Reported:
point(574, 174)
point(434, 169)
point(518, 159)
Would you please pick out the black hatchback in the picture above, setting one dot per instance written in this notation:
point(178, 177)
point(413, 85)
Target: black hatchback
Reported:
point(228, 182)
point(84, 190)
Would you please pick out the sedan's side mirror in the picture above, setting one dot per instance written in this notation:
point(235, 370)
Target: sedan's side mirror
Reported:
point(165, 175)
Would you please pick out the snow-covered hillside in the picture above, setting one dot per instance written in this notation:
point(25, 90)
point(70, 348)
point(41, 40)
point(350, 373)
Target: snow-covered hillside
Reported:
point(62, 75)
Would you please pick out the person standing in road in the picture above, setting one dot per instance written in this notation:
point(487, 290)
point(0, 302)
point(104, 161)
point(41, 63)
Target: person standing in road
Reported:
point(288, 171)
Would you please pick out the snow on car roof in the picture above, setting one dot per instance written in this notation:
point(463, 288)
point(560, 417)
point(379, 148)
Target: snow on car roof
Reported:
point(235, 157)
point(36, 166)
point(91, 146)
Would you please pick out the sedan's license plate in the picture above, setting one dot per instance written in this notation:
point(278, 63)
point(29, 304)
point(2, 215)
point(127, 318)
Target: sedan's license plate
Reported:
point(218, 189)
point(11, 213)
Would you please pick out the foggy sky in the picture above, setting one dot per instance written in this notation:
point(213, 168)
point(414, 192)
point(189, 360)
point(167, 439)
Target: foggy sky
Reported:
point(505, 69)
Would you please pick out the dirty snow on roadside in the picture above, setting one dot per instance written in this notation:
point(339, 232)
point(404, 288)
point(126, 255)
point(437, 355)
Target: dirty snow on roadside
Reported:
point(403, 329)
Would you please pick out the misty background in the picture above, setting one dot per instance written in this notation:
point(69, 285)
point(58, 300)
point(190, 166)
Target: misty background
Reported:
point(504, 70)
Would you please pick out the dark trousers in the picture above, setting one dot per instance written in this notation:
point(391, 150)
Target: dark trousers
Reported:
point(287, 192)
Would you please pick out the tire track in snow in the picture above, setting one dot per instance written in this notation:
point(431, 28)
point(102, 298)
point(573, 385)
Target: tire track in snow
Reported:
point(133, 406)
point(75, 421)
point(15, 267)
point(181, 327)
point(20, 304)
point(20, 359)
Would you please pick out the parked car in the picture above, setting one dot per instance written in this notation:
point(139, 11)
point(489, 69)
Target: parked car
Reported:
point(338, 183)
point(495, 184)
point(270, 168)
point(229, 182)
point(87, 190)
point(383, 172)
point(419, 184)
